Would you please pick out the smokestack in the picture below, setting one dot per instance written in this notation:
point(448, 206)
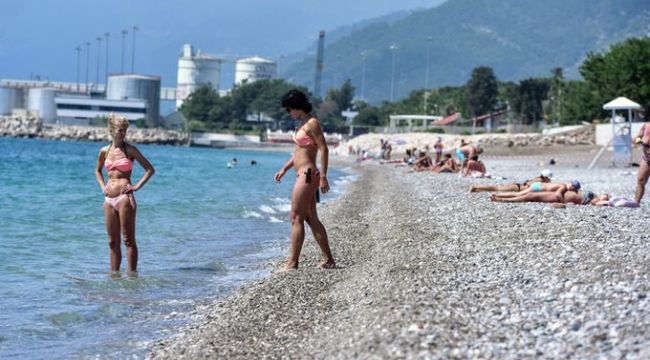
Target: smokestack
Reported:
point(319, 63)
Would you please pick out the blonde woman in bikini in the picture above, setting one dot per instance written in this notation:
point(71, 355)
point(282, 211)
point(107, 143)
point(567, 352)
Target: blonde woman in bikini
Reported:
point(309, 140)
point(119, 199)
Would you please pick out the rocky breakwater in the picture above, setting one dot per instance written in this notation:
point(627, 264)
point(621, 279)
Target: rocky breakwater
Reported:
point(32, 127)
point(583, 136)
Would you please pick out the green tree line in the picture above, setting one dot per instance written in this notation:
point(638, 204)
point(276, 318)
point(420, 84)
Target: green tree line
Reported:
point(623, 70)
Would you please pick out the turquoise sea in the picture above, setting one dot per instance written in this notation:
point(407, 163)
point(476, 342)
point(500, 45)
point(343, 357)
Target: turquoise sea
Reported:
point(203, 230)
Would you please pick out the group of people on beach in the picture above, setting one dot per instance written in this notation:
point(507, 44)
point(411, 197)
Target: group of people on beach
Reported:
point(118, 159)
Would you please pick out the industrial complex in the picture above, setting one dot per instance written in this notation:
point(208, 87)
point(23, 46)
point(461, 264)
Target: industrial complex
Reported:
point(135, 96)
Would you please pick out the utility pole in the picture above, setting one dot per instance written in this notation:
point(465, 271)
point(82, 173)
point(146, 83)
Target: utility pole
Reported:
point(134, 30)
point(124, 33)
point(78, 50)
point(87, 64)
point(426, 73)
point(364, 55)
point(393, 48)
point(106, 36)
point(319, 63)
point(99, 52)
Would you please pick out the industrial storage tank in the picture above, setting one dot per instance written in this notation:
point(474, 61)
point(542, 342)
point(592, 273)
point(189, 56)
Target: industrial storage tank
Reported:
point(253, 69)
point(41, 102)
point(137, 87)
point(11, 98)
point(195, 70)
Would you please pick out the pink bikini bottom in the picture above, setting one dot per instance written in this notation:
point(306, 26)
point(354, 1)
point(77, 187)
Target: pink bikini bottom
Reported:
point(114, 201)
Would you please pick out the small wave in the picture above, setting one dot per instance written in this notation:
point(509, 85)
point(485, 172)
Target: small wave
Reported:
point(252, 214)
point(65, 319)
point(283, 207)
point(267, 209)
point(273, 219)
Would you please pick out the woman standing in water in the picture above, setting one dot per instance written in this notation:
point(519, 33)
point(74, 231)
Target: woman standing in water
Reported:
point(119, 204)
point(309, 139)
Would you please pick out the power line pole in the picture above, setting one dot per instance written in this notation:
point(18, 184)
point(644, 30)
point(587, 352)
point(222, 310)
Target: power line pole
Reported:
point(364, 55)
point(106, 35)
point(99, 52)
point(78, 50)
point(393, 48)
point(426, 73)
point(87, 63)
point(134, 30)
point(124, 33)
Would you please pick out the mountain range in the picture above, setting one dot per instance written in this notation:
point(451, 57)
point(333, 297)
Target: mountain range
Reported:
point(517, 38)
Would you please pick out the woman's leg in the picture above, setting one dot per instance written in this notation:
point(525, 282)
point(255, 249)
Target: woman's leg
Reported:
point(545, 197)
point(500, 188)
point(111, 217)
point(302, 193)
point(505, 195)
point(320, 234)
point(127, 222)
point(641, 180)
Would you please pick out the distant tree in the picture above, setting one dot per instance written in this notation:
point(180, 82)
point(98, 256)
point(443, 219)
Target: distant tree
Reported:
point(205, 110)
point(526, 99)
point(581, 103)
point(482, 91)
point(343, 96)
point(369, 116)
point(622, 71)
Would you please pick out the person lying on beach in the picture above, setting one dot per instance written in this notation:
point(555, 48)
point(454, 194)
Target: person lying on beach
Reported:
point(408, 159)
point(514, 187)
point(540, 187)
point(448, 165)
point(423, 163)
point(556, 199)
point(606, 199)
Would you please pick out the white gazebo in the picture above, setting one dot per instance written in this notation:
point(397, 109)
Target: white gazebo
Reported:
point(621, 129)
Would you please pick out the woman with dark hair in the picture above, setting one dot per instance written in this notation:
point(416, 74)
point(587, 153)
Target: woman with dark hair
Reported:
point(309, 139)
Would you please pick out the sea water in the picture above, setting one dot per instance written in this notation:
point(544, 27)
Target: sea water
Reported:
point(203, 230)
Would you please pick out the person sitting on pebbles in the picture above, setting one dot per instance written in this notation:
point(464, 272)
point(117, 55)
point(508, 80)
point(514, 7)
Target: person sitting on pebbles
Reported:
point(541, 187)
point(423, 163)
point(514, 187)
point(448, 165)
point(465, 152)
point(475, 168)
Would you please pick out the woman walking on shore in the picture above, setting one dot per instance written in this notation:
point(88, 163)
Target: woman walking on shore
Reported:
point(119, 204)
point(309, 139)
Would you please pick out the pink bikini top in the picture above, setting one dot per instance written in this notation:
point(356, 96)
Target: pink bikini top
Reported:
point(304, 140)
point(124, 164)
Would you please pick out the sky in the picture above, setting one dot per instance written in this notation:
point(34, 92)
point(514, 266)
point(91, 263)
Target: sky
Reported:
point(39, 37)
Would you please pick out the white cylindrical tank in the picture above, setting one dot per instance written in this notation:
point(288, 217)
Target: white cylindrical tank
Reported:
point(40, 101)
point(137, 87)
point(253, 69)
point(11, 98)
point(195, 70)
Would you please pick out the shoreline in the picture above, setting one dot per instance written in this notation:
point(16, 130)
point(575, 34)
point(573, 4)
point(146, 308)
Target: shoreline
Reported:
point(428, 270)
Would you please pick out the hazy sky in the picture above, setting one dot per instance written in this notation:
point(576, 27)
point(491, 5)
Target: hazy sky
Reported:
point(38, 37)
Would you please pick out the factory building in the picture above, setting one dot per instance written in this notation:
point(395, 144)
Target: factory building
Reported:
point(195, 70)
point(254, 68)
point(128, 87)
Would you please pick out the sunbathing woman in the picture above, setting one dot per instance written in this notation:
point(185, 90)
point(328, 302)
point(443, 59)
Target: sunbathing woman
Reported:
point(119, 195)
point(557, 198)
point(539, 187)
point(514, 187)
point(309, 141)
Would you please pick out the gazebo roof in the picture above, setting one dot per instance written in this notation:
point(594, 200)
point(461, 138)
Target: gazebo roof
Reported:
point(621, 103)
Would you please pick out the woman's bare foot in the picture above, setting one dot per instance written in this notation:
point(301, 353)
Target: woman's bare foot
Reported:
point(472, 188)
point(327, 264)
point(493, 197)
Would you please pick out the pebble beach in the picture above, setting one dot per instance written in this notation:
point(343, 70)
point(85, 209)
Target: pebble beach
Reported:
point(428, 270)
